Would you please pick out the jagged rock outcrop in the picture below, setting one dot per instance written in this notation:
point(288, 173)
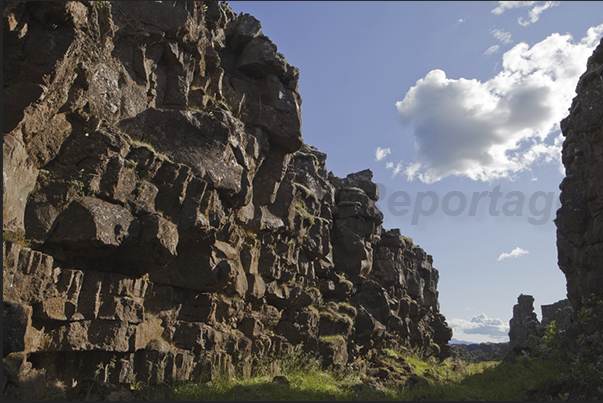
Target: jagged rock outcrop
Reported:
point(524, 328)
point(580, 224)
point(561, 312)
point(580, 218)
point(162, 214)
point(528, 334)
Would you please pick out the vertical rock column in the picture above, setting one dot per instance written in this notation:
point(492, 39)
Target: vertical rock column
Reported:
point(580, 218)
point(525, 331)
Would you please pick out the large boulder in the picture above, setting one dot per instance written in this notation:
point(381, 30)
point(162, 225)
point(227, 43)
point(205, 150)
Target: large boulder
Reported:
point(212, 145)
point(90, 223)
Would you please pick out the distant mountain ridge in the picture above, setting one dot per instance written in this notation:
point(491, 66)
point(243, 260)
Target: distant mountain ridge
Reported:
point(455, 341)
point(477, 352)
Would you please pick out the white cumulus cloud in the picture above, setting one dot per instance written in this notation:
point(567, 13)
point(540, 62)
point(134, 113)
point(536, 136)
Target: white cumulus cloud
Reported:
point(494, 129)
point(481, 324)
point(381, 153)
point(517, 252)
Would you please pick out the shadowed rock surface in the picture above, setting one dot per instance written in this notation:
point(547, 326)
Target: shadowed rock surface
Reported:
point(524, 327)
point(580, 224)
point(579, 319)
point(580, 218)
point(163, 215)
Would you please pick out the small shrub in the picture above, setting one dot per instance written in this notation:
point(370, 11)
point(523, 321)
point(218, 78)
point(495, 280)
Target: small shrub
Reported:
point(305, 190)
point(43, 174)
point(17, 237)
point(550, 339)
point(300, 208)
point(79, 187)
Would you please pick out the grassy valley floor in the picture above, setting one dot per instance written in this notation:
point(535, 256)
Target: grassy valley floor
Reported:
point(393, 376)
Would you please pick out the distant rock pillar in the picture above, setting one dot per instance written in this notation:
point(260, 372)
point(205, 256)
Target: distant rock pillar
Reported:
point(525, 330)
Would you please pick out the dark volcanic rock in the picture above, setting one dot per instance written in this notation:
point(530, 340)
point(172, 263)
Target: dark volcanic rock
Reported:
point(524, 328)
point(580, 225)
point(557, 329)
point(160, 204)
point(579, 220)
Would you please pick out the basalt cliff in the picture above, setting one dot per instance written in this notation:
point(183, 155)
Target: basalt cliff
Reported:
point(580, 222)
point(580, 218)
point(573, 326)
point(163, 215)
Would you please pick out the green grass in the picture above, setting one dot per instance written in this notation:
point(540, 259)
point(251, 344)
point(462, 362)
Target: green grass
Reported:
point(311, 386)
point(337, 339)
point(446, 380)
point(304, 190)
point(300, 208)
point(149, 146)
point(331, 311)
point(506, 381)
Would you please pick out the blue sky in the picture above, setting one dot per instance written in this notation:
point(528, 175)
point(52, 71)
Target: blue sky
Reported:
point(455, 104)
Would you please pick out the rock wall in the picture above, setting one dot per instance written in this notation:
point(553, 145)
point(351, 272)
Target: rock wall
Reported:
point(580, 218)
point(580, 223)
point(162, 214)
point(561, 312)
point(578, 319)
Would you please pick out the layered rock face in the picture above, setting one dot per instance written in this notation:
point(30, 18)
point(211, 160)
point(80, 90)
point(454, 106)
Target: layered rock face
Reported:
point(163, 215)
point(580, 218)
